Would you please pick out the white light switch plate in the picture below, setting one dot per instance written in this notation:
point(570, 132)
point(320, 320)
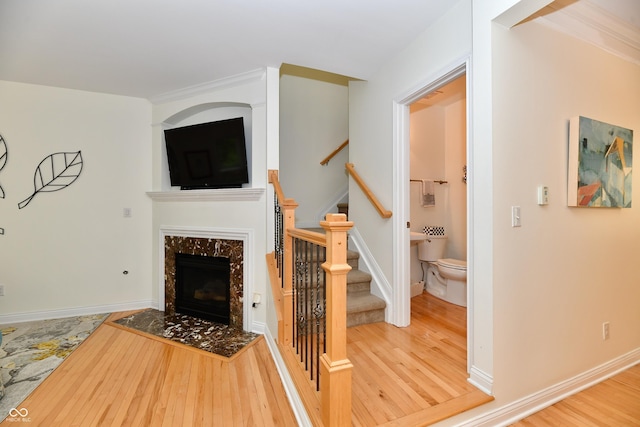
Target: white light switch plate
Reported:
point(515, 216)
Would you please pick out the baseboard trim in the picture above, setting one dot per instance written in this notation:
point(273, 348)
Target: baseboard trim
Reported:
point(481, 380)
point(533, 403)
point(289, 386)
point(76, 311)
point(380, 286)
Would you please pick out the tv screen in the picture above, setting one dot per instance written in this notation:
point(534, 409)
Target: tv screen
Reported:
point(207, 155)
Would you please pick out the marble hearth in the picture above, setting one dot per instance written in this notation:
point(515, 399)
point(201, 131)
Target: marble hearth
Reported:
point(206, 242)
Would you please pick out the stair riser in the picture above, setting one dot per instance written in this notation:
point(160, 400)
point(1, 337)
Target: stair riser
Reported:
point(364, 317)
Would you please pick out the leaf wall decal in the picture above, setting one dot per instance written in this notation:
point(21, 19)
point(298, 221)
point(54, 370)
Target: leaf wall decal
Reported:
point(56, 172)
point(3, 160)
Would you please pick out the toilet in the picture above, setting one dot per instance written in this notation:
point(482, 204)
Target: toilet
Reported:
point(446, 277)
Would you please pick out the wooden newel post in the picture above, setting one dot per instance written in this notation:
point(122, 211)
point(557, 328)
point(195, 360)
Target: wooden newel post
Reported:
point(335, 374)
point(285, 329)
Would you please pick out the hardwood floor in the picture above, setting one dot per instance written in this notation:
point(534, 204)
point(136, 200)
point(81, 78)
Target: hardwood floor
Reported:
point(415, 375)
point(613, 402)
point(412, 376)
point(120, 378)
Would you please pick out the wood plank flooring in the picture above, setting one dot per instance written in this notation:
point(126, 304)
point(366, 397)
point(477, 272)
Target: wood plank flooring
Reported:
point(415, 375)
point(120, 378)
point(613, 402)
point(410, 376)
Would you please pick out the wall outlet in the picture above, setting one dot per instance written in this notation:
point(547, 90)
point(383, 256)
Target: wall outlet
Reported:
point(1, 290)
point(605, 331)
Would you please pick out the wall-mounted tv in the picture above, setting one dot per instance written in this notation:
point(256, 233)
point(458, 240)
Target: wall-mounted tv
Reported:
point(207, 155)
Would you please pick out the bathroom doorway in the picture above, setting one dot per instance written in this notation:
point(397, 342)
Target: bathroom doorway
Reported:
point(438, 160)
point(438, 164)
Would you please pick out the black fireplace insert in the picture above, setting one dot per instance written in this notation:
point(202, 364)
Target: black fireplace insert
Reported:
point(203, 287)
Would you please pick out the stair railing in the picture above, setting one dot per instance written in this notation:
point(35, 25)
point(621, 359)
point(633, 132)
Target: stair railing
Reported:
point(384, 213)
point(334, 152)
point(308, 272)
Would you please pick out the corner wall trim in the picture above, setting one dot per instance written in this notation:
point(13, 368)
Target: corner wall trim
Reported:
point(481, 379)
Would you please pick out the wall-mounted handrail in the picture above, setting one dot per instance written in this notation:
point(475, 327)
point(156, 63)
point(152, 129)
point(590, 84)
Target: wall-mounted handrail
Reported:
point(334, 152)
point(365, 189)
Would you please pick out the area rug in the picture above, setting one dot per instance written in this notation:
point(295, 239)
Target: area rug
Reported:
point(198, 333)
point(30, 351)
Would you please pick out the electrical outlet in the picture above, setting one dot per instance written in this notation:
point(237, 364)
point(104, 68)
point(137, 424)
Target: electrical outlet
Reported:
point(1, 290)
point(605, 331)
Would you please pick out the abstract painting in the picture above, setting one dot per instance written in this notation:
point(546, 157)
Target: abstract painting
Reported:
point(600, 160)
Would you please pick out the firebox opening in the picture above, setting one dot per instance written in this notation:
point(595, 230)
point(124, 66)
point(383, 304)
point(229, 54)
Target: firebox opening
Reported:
point(203, 287)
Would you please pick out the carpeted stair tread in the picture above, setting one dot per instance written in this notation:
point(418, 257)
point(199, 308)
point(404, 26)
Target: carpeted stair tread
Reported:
point(358, 281)
point(363, 307)
point(364, 301)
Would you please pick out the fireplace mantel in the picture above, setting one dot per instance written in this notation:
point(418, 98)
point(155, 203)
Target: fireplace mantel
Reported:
point(213, 195)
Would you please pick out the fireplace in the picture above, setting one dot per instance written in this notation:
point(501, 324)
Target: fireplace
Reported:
point(203, 287)
point(230, 247)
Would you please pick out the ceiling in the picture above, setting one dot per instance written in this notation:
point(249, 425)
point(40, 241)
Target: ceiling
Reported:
point(146, 48)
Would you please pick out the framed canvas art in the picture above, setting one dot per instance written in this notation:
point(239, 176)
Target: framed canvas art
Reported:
point(600, 164)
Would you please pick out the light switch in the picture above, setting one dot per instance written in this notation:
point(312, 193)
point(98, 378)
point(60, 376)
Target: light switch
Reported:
point(515, 216)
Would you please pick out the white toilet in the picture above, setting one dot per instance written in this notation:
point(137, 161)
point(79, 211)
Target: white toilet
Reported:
point(446, 278)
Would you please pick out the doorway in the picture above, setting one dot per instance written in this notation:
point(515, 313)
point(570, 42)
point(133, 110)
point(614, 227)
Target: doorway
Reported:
point(406, 195)
point(437, 189)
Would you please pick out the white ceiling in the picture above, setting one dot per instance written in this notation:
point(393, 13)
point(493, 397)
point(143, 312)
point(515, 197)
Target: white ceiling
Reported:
point(146, 48)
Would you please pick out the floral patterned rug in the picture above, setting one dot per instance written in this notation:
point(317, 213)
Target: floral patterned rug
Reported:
point(30, 351)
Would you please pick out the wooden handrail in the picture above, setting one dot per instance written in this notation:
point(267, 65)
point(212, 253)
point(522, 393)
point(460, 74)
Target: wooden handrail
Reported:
point(308, 235)
point(273, 179)
point(365, 189)
point(336, 151)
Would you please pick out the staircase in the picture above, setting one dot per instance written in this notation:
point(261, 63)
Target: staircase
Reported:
point(362, 306)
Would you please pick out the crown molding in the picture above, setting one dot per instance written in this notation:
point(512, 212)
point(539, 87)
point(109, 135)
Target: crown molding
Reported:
point(232, 81)
point(597, 26)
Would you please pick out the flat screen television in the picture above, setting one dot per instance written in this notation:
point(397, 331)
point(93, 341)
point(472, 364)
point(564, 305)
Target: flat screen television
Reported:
point(207, 155)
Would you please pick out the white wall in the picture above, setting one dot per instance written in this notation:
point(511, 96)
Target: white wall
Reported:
point(236, 212)
point(555, 280)
point(314, 121)
point(456, 188)
point(67, 250)
point(371, 121)
point(551, 283)
point(566, 270)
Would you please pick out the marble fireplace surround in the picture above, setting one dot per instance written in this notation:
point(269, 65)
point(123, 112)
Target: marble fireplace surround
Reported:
point(232, 243)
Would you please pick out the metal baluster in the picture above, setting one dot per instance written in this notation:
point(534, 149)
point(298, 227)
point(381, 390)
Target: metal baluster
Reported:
point(319, 312)
point(306, 303)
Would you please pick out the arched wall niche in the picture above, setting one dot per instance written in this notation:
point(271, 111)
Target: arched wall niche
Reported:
point(221, 108)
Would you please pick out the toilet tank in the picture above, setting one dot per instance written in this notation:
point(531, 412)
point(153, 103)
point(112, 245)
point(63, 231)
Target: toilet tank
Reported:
point(432, 249)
